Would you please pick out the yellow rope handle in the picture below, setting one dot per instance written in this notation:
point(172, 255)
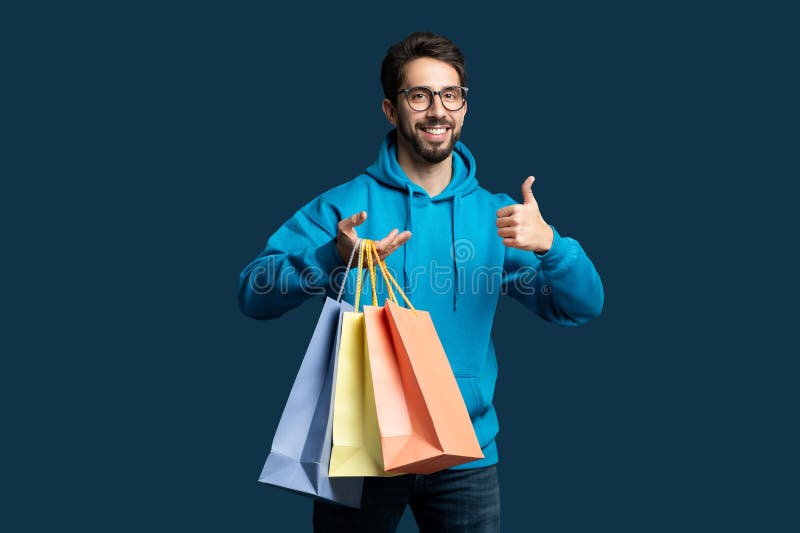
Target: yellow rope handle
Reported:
point(392, 296)
point(370, 247)
point(402, 293)
point(360, 264)
point(371, 250)
point(388, 274)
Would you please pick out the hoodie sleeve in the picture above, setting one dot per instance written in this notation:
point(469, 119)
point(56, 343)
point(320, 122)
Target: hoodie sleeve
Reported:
point(561, 285)
point(298, 262)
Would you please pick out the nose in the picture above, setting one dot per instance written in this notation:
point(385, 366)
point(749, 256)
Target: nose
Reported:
point(437, 109)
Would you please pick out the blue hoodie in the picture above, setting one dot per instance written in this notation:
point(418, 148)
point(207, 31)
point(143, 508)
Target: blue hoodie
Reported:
point(454, 266)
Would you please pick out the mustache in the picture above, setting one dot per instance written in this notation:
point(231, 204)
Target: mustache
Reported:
point(436, 123)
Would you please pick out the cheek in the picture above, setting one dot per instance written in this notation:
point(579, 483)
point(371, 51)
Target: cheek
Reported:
point(405, 122)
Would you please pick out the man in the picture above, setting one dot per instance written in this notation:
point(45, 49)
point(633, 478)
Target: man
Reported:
point(424, 181)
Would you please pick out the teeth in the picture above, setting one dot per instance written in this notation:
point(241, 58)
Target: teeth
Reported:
point(435, 131)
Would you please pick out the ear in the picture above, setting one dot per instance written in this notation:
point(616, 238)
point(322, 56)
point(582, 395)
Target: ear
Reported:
point(466, 105)
point(390, 111)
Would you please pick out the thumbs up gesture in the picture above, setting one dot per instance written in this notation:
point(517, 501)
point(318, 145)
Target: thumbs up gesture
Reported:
point(522, 226)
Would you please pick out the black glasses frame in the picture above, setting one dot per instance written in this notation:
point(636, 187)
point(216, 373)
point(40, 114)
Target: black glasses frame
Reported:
point(433, 95)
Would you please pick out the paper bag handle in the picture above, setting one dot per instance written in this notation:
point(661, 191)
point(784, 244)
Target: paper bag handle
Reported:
point(365, 244)
point(387, 276)
point(347, 271)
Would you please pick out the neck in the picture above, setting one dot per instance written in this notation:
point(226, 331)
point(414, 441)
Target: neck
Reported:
point(433, 177)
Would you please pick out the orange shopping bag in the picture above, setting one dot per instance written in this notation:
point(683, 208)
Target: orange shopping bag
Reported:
point(423, 421)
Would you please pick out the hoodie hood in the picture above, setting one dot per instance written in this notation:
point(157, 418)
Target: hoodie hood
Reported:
point(388, 171)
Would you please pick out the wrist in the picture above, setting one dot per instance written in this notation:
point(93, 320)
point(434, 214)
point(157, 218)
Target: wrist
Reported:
point(343, 254)
point(545, 247)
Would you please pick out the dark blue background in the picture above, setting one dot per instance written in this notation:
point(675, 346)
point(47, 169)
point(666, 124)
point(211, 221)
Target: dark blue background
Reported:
point(153, 151)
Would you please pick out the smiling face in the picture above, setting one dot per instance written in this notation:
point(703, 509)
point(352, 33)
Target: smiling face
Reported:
point(426, 135)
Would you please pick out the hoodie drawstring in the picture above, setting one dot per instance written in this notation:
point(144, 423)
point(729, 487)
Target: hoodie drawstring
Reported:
point(456, 242)
point(409, 227)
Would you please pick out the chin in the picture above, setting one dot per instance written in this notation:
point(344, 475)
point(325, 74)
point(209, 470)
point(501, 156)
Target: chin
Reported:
point(434, 154)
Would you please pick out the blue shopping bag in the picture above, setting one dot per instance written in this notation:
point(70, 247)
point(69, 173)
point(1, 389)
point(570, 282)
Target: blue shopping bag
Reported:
point(300, 455)
point(301, 449)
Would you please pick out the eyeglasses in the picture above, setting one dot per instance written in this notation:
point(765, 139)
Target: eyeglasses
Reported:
point(421, 98)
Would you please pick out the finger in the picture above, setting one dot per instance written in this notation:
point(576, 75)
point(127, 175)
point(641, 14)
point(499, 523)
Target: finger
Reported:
point(527, 193)
point(394, 244)
point(510, 242)
point(508, 210)
point(379, 245)
point(400, 240)
point(354, 220)
point(507, 232)
point(504, 222)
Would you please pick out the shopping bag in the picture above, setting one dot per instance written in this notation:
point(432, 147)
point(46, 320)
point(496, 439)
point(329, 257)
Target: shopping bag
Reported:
point(423, 422)
point(356, 439)
point(300, 453)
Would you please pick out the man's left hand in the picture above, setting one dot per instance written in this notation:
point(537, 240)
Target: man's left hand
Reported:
point(522, 226)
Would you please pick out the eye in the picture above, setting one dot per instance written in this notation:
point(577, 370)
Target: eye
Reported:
point(451, 93)
point(418, 94)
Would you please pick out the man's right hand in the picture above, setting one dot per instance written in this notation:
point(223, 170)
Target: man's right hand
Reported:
point(346, 237)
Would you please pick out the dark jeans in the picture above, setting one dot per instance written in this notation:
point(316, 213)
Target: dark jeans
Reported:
point(463, 501)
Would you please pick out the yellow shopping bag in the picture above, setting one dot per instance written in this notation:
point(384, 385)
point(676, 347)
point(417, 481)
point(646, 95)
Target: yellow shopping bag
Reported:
point(356, 447)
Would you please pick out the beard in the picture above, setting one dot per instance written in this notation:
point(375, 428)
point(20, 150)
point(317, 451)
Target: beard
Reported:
point(425, 150)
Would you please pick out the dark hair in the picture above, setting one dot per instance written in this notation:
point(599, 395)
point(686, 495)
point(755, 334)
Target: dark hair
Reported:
point(418, 44)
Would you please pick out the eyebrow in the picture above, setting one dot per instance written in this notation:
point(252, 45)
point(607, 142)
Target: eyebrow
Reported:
point(431, 88)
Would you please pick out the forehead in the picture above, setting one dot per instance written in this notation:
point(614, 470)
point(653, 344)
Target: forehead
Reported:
point(429, 72)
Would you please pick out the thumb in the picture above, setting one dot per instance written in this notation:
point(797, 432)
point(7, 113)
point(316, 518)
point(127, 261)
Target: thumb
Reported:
point(355, 220)
point(527, 193)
